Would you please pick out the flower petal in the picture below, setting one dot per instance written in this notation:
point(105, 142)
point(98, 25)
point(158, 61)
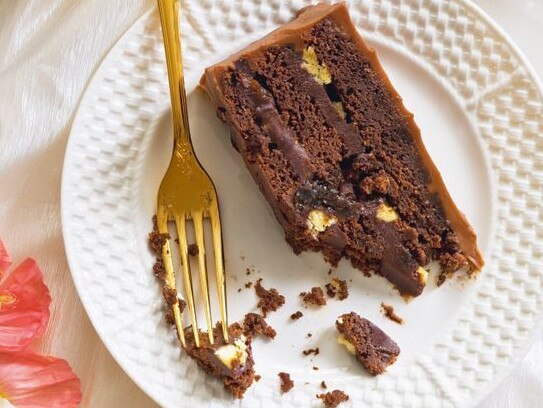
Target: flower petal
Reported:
point(28, 380)
point(5, 259)
point(24, 306)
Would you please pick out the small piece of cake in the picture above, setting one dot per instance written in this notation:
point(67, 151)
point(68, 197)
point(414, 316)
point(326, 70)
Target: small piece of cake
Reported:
point(286, 382)
point(333, 399)
point(255, 325)
point(337, 287)
point(315, 297)
point(232, 362)
point(339, 158)
point(269, 299)
point(371, 346)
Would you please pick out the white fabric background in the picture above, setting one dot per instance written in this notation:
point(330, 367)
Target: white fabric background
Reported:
point(48, 52)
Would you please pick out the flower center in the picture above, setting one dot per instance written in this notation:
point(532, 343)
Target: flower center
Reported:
point(6, 299)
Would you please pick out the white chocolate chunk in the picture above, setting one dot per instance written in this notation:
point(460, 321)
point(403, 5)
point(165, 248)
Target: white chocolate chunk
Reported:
point(386, 213)
point(422, 274)
point(311, 64)
point(318, 221)
point(344, 342)
point(230, 353)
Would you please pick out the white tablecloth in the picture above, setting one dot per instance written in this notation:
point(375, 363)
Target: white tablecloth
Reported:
point(48, 52)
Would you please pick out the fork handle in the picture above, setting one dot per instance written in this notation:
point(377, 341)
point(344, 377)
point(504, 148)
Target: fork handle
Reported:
point(169, 20)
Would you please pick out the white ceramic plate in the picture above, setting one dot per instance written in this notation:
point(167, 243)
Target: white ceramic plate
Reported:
point(479, 106)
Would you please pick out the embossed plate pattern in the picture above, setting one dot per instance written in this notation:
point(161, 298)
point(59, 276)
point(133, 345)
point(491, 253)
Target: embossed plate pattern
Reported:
point(480, 108)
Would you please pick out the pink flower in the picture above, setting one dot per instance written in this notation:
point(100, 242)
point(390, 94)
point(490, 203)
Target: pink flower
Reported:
point(5, 259)
point(24, 306)
point(28, 380)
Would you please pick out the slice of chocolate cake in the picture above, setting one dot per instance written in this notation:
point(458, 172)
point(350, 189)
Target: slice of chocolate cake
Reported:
point(371, 346)
point(339, 158)
point(232, 362)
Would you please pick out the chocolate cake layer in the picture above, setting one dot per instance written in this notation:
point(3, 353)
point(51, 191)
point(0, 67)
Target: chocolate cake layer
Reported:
point(339, 158)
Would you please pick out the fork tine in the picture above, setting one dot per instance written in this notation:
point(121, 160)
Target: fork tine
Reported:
point(162, 224)
point(187, 278)
point(219, 265)
point(199, 232)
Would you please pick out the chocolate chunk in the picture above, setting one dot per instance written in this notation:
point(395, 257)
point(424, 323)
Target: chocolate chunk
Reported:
point(318, 195)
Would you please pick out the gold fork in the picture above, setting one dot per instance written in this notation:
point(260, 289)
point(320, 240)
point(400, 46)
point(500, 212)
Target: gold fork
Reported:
point(187, 192)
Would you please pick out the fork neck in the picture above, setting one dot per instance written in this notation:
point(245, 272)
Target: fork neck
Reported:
point(169, 19)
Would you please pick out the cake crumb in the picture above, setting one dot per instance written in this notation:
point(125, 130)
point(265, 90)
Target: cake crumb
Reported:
point(333, 399)
point(337, 287)
point(330, 271)
point(315, 368)
point(254, 325)
point(170, 295)
point(157, 241)
point(239, 290)
point(248, 285)
point(159, 269)
point(309, 335)
point(286, 382)
point(315, 297)
point(193, 250)
point(242, 257)
point(314, 351)
point(296, 316)
point(323, 385)
point(168, 316)
point(257, 378)
point(388, 312)
point(270, 299)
